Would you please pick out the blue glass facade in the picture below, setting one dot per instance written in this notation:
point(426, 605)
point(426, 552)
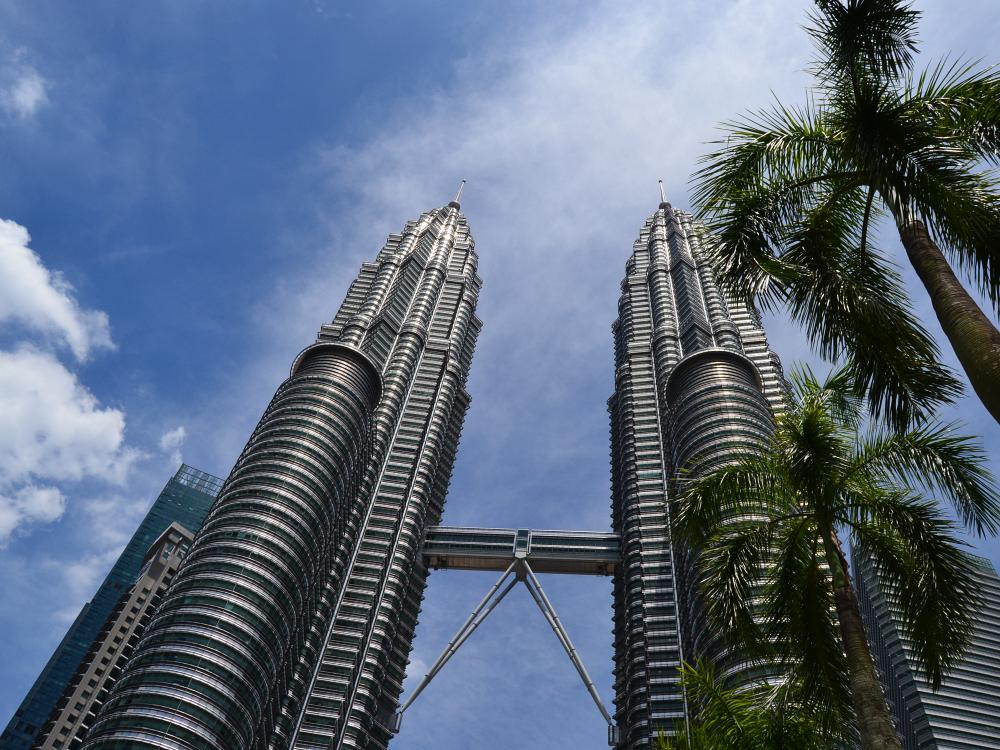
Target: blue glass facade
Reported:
point(186, 498)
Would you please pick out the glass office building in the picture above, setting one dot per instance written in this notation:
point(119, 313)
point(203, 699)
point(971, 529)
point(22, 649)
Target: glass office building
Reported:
point(289, 624)
point(695, 381)
point(186, 499)
point(964, 714)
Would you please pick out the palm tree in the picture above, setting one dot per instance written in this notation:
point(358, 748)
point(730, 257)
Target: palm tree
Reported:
point(761, 717)
point(794, 195)
point(771, 560)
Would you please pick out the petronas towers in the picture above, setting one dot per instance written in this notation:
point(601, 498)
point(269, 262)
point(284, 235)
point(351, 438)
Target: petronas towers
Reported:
point(290, 623)
point(694, 382)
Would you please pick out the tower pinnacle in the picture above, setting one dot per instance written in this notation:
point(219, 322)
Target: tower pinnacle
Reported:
point(458, 196)
point(663, 196)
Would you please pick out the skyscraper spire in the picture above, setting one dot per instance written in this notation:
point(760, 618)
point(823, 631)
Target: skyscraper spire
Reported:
point(663, 196)
point(458, 196)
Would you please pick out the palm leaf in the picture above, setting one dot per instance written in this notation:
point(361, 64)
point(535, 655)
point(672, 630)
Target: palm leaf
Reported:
point(934, 458)
point(928, 576)
point(801, 617)
point(852, 303)
point(961, 104)
point(730, 568)
point(749, 486)
point(872, 37)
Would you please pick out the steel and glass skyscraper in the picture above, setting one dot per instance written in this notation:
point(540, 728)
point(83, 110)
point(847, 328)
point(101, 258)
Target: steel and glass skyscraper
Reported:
point(185, 499)
point(964, 714)
point(695, 382)
point(289, 623)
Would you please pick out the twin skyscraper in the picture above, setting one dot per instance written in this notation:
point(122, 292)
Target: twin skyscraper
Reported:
point(291, 619)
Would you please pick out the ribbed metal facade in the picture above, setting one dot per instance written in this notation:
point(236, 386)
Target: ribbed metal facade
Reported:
point(289, 624)
point(965, 713)
point(416, 318)
point(695, 382)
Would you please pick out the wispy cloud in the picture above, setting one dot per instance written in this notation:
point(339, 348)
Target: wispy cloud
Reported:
point(171, 442)
point(26, 504)
point(562, 131)
point(23, 90)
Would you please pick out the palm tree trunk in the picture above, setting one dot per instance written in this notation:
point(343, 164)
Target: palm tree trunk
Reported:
point(874, 722)
point(973, 336)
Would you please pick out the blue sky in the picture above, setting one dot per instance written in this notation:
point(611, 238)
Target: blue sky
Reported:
point(200, 182)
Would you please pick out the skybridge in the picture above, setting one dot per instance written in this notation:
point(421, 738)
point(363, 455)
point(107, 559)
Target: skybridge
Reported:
point(574, 552)
point(518, 554)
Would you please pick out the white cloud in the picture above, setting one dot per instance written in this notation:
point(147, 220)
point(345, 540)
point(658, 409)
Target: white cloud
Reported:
point(51, 426)
point(51, 429)
point(41, 300)
point(23, 90)
point(29, 503)
point(562, 134)
point(27, 94)
point(171, 443)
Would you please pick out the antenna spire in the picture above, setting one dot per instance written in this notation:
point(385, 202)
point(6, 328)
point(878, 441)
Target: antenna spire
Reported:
point(458, 196)
point(663, 195)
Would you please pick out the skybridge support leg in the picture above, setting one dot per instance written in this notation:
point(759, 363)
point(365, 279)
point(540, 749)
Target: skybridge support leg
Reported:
point(522, 572)
point(549, 612)
point(480, 613)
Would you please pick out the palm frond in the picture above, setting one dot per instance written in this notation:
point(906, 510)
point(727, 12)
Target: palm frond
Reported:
point(761, 716)
point(852, 303)
point(921, 147)
point(785, 143)
point(936, 459)
point(863, 37)
point(801, 616)
point(960, 102)
point(730, 569)
point(750, 485)
point(811, 444)
point(920, 561)
point(835, 394)
point(769, 168)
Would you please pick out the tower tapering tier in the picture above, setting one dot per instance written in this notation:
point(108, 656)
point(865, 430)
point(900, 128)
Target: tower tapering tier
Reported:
point(694, 382)
point(289, 623)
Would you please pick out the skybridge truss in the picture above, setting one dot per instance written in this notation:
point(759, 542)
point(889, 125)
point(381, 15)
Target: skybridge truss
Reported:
point(519, 553)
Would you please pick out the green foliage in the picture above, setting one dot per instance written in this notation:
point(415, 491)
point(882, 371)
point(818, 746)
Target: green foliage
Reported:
point(762, 717)
point(792, 195)
point(768, 529)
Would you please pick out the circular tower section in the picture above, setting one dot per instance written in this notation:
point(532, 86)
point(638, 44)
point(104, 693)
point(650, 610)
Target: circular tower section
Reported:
point(717, 409)
point(214, 664)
